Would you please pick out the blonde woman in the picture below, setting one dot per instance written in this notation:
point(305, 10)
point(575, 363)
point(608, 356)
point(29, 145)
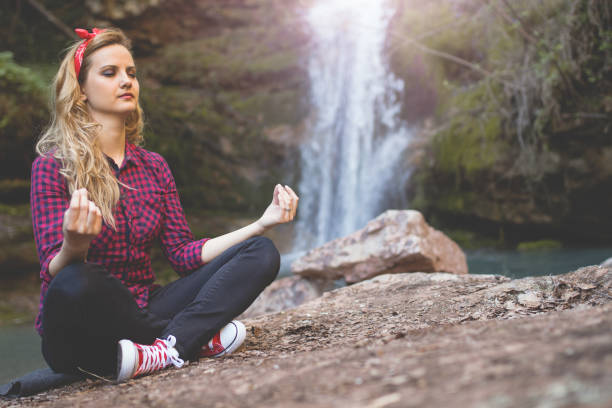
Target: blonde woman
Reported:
point(99, 202)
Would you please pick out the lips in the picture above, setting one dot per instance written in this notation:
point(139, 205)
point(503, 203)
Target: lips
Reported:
point(126, 96)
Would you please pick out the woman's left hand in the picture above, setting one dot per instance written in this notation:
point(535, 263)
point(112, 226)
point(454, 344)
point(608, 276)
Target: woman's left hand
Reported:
point(282, 208)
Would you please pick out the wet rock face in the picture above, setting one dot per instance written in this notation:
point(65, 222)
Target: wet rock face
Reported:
point(395, 241)
point(402, 340)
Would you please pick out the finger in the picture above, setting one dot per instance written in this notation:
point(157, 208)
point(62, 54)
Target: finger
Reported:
point(293, 194)
point(98, 223)
point(83, 209)
point(282, 196)
point(72, 213)
point(72, 216)
point(91, 218)
point(282, 204)
point(294, 201)
point(275, 194)
point(286, 205)
point(290, 204)
point(74, 200)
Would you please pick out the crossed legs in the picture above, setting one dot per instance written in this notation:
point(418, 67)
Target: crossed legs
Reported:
point(87, 311)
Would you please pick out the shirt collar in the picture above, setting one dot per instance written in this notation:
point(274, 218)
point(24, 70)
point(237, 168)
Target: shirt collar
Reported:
point(129, 157)
point(130, 154)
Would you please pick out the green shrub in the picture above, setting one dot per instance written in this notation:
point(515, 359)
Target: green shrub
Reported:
point(23, 113)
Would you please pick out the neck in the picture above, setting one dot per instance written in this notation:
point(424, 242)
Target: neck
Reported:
point(112, 136)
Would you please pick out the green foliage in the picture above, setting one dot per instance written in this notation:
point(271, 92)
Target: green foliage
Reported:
point(14, 77)
point(229, 60)
point(438, 25)
point(471, 141)
point(522, 92)
point(266, 106)
point(23, 112)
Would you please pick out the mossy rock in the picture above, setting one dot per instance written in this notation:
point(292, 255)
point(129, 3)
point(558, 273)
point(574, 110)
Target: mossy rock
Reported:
point(542, 244)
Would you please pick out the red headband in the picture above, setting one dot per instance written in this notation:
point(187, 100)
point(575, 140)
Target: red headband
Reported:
point(78, 55)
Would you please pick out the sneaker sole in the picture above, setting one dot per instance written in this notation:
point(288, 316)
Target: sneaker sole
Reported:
point(126, 360)
point(238, 340)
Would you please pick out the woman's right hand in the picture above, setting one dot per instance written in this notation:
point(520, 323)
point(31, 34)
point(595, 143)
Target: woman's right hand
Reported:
point(82, 222)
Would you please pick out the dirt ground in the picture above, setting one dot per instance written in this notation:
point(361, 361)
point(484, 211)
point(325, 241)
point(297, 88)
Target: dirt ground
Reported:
point(402, 340)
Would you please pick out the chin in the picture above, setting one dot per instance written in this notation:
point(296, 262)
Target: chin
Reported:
point(127, 111)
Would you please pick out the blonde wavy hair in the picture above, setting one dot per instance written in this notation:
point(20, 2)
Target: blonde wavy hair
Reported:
point(72, 135)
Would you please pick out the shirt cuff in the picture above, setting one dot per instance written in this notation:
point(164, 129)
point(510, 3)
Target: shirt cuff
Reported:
point(193, 254)
point(44, 268)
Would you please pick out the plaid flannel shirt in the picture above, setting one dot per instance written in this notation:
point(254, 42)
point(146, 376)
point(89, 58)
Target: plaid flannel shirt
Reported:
point(151, 210)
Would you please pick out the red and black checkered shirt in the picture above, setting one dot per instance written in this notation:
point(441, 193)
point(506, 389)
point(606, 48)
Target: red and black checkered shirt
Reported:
point(149, 211)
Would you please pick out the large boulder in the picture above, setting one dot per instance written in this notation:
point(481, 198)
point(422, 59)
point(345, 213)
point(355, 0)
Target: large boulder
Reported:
point(395, 241)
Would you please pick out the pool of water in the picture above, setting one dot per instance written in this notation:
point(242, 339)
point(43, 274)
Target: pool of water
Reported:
point(19, 351)
point(519, 264)
point(20, 345)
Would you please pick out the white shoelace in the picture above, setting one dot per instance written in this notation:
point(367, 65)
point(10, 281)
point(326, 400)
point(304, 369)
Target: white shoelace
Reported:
point(154, 359)
point(173, 354)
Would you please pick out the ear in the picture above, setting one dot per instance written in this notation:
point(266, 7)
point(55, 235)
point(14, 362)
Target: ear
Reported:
point(83, 96)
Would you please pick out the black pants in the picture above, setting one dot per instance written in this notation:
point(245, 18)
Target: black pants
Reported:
point(86, 310)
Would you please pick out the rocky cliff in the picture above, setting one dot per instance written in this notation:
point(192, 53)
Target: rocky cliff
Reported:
point(517, 143)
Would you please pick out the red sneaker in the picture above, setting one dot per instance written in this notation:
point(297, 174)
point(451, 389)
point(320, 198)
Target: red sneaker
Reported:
point(226, 341)
point(135, 359)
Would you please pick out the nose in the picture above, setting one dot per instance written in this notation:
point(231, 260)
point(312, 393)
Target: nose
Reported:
point(126, 80)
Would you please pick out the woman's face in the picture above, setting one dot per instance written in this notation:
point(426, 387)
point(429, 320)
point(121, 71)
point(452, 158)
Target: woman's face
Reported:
point(111, 87)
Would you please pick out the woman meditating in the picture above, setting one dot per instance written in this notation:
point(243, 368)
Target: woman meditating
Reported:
point(99, 202)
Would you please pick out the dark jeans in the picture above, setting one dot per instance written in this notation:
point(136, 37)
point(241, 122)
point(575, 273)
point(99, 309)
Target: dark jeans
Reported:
point(86, 310)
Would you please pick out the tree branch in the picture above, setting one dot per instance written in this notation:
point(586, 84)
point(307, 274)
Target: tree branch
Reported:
point(454, 59)
point(522, 27)
point(52, 19)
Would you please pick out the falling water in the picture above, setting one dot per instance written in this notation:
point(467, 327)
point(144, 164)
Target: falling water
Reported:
point(351, 164)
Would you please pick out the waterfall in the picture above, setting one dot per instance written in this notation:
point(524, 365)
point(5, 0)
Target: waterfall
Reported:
point(351, 161)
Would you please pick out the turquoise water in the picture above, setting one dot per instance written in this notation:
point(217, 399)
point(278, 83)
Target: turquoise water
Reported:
point(19, 351)
point(518, 264)
point(20, 345)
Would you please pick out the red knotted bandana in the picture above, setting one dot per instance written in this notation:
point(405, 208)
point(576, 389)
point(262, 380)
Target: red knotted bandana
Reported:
point(78, 55)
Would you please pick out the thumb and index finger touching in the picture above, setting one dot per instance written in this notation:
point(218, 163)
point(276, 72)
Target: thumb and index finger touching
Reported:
point(286, 191)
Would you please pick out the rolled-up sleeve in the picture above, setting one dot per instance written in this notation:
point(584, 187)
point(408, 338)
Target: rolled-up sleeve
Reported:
point(183, 251)
point(49, 199)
